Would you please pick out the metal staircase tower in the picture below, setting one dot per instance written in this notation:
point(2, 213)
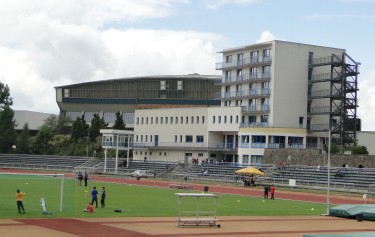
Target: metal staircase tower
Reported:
point(340, 89)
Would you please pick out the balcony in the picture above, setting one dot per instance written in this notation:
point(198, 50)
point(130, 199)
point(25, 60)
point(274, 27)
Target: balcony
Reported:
point(204, 146)
point(251, 93)
point(258, 145)
point(256, 125)
point(282, 145)
point(255, 61)
point(255, 109)
point(246, 77)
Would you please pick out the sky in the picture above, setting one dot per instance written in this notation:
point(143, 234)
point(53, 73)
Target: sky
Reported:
point(49, 43)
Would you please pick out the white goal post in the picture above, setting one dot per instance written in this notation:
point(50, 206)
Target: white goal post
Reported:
point(41, 176)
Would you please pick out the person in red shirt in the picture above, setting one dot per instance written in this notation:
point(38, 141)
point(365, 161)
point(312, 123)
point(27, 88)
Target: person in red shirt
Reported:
point(272, 190)
point(90, 208)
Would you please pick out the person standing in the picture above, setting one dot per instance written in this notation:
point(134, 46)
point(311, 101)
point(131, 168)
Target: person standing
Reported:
point(19, 198)
point(272, 190)
point(80, 178)
point(94, 194)
point(102, 200)
point(86, 177)
point(266, 192)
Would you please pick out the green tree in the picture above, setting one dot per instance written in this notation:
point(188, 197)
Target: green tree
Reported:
point(8, 134)
point(97, 123)
point(64, 125)
point(119, 122)
point(79, 128)
point(23, 140)
point(5, 99)
point(42, 141)
point(360, 150)
point(51, 122)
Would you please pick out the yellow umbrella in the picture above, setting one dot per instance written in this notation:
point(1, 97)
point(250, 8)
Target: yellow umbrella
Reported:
point(250, 170)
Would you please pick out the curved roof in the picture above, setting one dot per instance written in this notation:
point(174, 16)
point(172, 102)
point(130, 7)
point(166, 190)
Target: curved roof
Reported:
point(157, 77)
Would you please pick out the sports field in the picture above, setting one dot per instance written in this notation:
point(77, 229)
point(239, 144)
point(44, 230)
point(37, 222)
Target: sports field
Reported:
point(150, 208)
point(133, 200)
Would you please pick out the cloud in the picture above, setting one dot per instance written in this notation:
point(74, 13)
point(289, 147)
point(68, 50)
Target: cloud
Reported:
point(366, 97)
point(145, 52)
point(93, 13)
point(215, 4)
point(46, 44)
point(265, 36)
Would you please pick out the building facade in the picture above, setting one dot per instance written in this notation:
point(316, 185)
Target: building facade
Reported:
point(275, 94)
point(270, 95)
point(128, 94)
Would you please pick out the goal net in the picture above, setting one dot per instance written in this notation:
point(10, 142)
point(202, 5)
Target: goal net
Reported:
point(37, 187)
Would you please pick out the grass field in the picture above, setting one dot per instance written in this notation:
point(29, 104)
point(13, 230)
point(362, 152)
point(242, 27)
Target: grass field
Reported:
point(133, 200)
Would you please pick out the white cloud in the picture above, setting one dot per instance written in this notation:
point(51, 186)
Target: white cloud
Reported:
point(215, 4)
point(144, 52)
point(366, 97)
point(46, 44)
point(265, 36)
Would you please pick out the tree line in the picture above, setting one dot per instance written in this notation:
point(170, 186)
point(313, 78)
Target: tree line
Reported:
point(59, 135)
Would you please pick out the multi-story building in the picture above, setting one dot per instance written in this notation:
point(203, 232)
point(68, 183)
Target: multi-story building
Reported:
point(271, 95)
point(290, 94)
point(275, 94)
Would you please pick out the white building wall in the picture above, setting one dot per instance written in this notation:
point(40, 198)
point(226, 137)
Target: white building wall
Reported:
point(289, 83)
point(171, 126)
point(367, 139)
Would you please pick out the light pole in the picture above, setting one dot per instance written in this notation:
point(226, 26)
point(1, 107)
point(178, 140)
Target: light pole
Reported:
point(328, 169)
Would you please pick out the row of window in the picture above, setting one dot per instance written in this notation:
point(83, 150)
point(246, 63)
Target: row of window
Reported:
point(225, 119)
point(221, 119)
point(146, 153)
point(180, 138)
point(172, 120)
point(254, 55)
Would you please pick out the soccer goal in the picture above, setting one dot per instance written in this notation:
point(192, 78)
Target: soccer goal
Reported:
point(50, 187)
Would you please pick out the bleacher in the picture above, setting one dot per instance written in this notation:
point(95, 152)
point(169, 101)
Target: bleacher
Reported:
point(218, 172)
point(352, 179)
point(64, 163)
point(153, 168)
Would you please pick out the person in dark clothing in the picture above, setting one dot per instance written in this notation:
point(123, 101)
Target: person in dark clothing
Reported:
point(102, 200)
point(94, 194)
point(266, 189)
point(86, 177)
point(80, 178)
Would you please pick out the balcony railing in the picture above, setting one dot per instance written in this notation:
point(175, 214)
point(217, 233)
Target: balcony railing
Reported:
point(255, 108)
point(278, 145)
point(185, 145)
point(262, 76)
point(258, 145)
point(244, 62)
point(259, 92)
point(256, 125)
